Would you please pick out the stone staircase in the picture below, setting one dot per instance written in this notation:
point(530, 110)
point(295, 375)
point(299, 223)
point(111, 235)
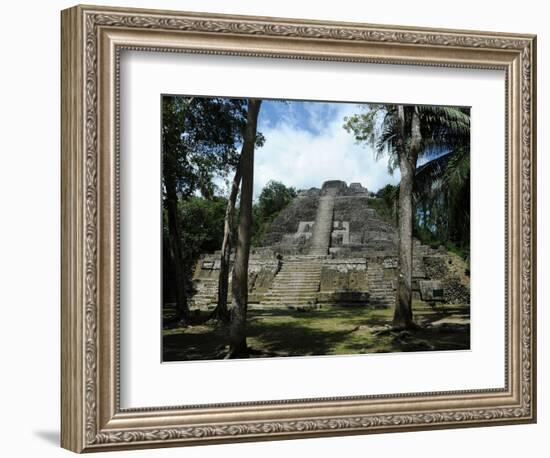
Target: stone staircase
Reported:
point(206, 295)
point(320, 239)
point(381, 289)
point(295, 286)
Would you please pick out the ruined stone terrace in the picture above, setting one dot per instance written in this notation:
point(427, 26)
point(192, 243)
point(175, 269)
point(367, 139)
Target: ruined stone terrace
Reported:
point(328, 247)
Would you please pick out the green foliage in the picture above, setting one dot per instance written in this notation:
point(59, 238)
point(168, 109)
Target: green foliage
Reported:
point(202, 223)
point(385, 203)
point(375, 127)
point(275, 196)
point(200, 138)
point(389, 194)
point(442, 197)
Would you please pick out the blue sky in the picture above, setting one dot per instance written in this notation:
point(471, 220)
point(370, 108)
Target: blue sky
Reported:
point(307, 145)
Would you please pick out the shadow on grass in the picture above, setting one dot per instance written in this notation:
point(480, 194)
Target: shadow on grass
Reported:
point(333, 330)
point(296, 339)
point(195, 343)
point(432, 339)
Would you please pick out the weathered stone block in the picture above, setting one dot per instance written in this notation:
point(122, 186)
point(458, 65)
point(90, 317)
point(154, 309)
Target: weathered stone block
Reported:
point(344, 298)
point(431, 290)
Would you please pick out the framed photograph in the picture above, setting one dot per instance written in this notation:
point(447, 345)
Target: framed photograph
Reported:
point(277, 228)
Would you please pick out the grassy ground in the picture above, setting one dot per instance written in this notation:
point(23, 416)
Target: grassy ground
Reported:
point(327, 331)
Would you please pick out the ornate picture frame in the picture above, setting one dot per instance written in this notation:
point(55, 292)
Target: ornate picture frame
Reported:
point(92, 40)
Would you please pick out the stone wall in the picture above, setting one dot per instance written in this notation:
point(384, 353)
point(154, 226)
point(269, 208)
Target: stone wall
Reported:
point(262, 268)
point(344, 282)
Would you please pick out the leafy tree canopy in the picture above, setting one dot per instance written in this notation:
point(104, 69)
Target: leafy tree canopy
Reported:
point(201, 137)
point(275, 196)
point(203, 220)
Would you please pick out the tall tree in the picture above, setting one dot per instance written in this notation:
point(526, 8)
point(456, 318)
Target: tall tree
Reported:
point(221, 311)
point(406, 132)
point(192, 154)
point(239, 303)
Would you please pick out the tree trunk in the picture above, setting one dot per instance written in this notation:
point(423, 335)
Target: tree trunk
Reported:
point(221, 312)
point(239, 303)
point(408, 153)
point(176, 252)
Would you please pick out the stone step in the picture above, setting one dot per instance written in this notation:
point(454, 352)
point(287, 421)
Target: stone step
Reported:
point(282, 290)
point(313, 265)
point(296, 284)
point(297, 273)
point(291, 292)
point(297, 277)
point(286, 289)
point(293, 272)
point(302, 269)
point(320, 239)
point(294, 287)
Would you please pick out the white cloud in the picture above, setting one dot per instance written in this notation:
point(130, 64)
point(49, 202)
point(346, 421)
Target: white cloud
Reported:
point(297, 157)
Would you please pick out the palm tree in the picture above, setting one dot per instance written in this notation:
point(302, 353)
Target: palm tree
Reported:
point(405, 133)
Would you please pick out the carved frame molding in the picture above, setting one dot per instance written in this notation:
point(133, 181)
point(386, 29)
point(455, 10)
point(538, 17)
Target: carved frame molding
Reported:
point(92, 39)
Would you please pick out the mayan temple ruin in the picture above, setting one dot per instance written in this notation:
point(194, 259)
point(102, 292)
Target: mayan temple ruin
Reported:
point(330, 247)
